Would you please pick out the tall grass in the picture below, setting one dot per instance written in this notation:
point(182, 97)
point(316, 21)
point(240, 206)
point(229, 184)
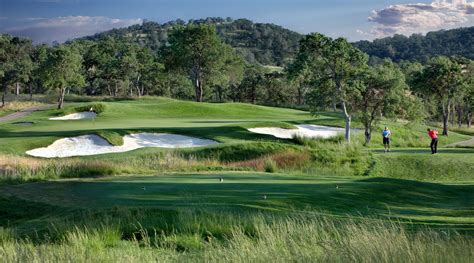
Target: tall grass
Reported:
point(336, 156)
point(200, 237)
point(95, 107)
point(20, 169)
point(425, 168)
point(316, 157)
point(14, 106)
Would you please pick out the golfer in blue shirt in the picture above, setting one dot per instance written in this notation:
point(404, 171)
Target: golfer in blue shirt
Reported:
point(386, 139)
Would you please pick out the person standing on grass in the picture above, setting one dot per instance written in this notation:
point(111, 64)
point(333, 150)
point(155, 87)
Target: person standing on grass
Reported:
point(386, 139)
point(434, 140)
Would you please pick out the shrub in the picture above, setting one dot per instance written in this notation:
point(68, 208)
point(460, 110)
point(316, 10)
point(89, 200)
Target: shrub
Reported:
point(311, 142)
point(96, 107)
point(269, 166)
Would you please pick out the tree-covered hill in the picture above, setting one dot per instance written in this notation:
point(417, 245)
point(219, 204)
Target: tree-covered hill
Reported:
point(266, 44)
point(270, 44)
point(458, 42)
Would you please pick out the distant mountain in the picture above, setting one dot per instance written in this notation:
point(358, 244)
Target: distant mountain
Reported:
point(267, 44)
point(420, 48)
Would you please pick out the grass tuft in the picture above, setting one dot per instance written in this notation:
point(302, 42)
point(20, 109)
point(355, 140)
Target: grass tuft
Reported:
point(112, 137)
point(96, 107)
point(269, 166)
point(202, 237)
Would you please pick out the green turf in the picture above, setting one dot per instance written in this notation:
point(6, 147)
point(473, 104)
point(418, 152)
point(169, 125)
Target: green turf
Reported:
point(5, 112)
point(449, 165)
point(433, 204)
point(408, 184)
point(222, 122)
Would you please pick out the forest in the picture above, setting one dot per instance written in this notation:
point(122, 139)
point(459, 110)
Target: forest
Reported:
point(454, 42)
point(219, 60)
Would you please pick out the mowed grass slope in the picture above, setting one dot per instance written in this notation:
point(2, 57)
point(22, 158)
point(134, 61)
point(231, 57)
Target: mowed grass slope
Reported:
point(222, 122)
point(322, 201)
point(449, 165)
point(438, 205)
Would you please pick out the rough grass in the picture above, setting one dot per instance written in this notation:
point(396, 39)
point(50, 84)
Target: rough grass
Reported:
point(322, 157)
point(14, 106)
point(464, 130)
point(188, 216)
point(289, 161)
point(112, 137)
point(315, 142)
point(319, 157)
point(16, 169)
point(96, 107)
point(410, 135)
point(449, 165)
point(198, 237)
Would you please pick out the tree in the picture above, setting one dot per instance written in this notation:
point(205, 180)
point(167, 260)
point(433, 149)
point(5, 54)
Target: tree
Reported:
point(16, 64)
point(252, 85)
point(466, 106)
point(39, 57)
point(333, 65)
point(63, 70)
point(197, 51)
point(469, 105)
point(441, 79)
point(382, 92)
point(229, 76)
point(5, 63)
point(102, 64)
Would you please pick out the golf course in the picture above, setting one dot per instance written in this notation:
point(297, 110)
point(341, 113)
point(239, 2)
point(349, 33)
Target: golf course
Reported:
point(244, 190)
point(124, 139)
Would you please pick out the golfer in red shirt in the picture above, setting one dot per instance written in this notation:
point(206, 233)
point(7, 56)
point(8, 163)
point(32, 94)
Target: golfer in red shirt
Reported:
point(434, 140)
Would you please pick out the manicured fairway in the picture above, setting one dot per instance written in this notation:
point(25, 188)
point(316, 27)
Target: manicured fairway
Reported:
point(222, 122)
point(437, 205)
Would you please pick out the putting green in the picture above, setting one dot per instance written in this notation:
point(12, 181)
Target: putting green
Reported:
point(427, 203)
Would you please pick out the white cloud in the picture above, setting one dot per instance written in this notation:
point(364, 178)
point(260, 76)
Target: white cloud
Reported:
point(61, 29)
point(420, 18)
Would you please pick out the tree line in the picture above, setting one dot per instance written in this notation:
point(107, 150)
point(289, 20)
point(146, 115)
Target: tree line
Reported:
point(263, 43)
point(197, 64)
point(454, 42)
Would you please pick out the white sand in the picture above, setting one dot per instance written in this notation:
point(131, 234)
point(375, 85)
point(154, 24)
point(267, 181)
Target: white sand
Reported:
point(76, 116)
point(304, 130)
point(93, 144)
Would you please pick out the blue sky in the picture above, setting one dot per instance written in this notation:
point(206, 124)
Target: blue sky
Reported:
point(47, 20)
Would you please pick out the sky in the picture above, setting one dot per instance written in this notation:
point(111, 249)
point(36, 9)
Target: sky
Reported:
point(46, 21)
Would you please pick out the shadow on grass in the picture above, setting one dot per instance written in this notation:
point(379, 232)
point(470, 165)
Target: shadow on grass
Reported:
point(226, 132)
point(394, 198)
point(426, 151)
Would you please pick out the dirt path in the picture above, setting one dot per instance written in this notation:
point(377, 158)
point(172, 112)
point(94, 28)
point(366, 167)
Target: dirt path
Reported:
point(23, 113)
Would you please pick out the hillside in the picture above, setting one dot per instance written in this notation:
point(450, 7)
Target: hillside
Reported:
point(458, 42)
point(250, 195)
point(270, 44)
point(267, 44)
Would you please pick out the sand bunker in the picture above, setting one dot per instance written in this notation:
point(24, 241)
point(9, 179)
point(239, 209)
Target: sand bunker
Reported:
point(76, 116)
point(93, 144)
point(304, 130)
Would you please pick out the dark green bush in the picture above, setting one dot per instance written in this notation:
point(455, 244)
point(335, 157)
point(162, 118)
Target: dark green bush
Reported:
point(96, 107)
